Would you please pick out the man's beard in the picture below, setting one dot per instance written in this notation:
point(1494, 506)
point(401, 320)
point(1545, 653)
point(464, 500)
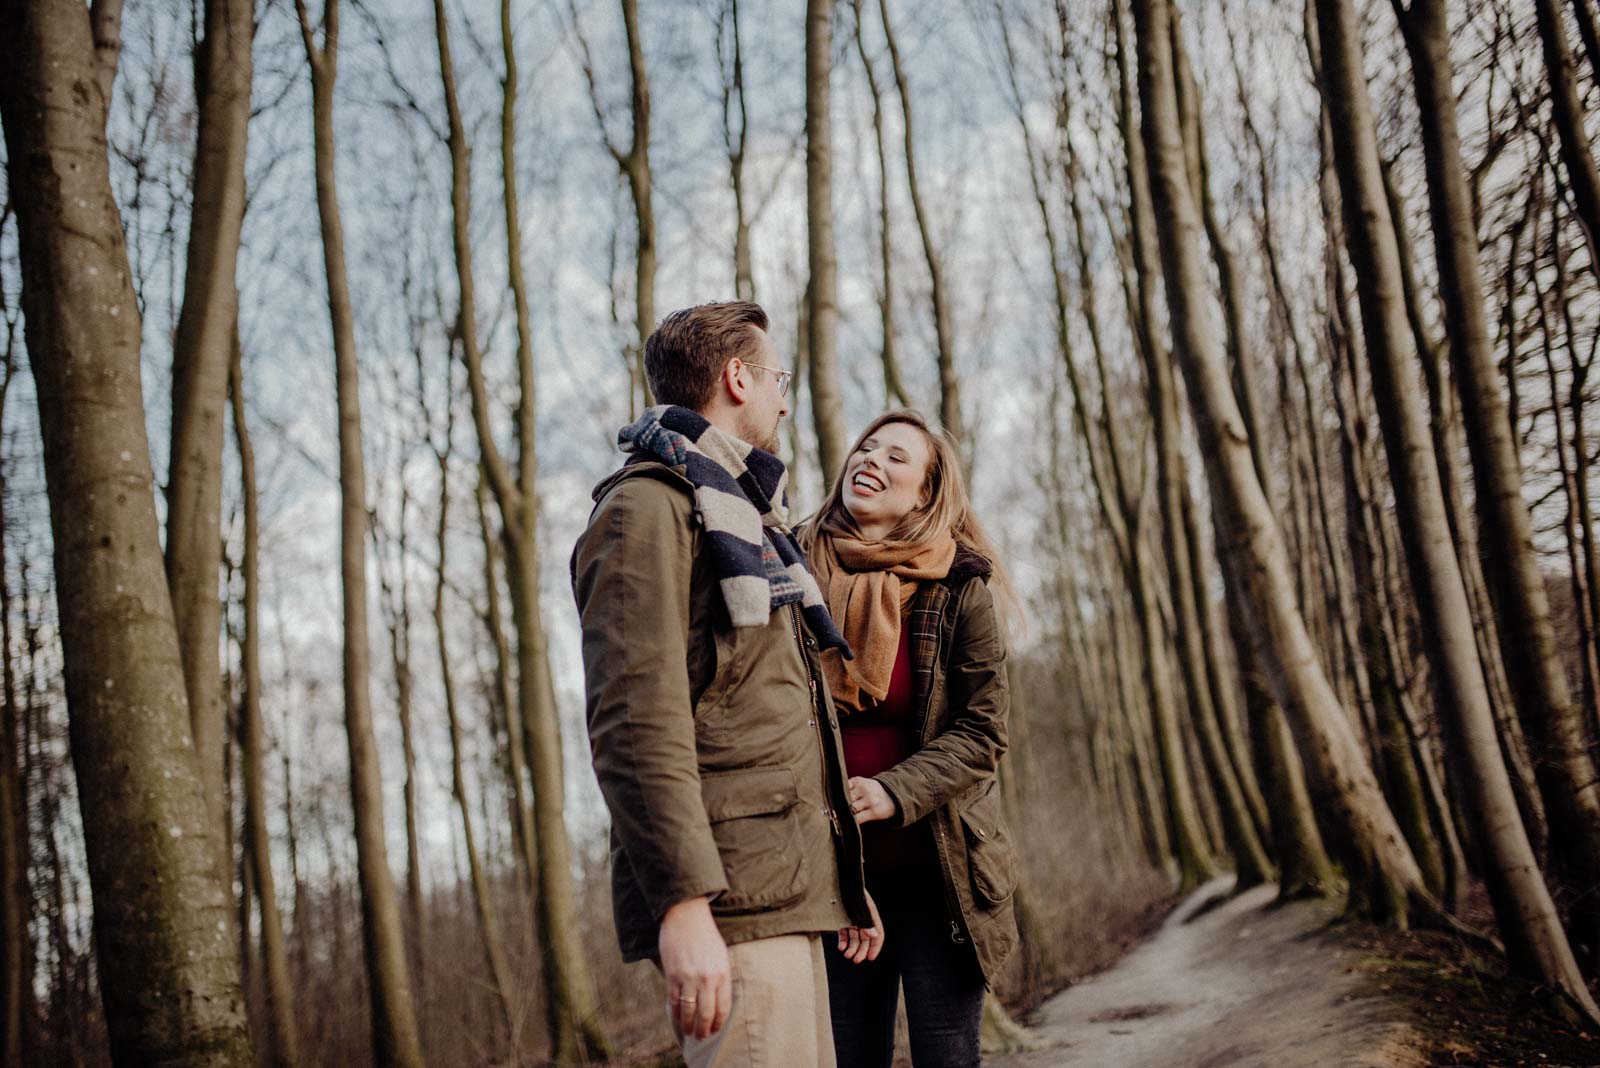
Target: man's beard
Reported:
point(762, 438)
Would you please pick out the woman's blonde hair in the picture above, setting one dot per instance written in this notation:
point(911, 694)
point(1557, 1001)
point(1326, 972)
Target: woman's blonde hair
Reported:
point(945, 506)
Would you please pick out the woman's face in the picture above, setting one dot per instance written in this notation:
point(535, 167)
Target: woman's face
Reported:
point(883, 478)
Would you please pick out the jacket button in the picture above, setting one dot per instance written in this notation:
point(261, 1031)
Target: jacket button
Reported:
point(811, 642)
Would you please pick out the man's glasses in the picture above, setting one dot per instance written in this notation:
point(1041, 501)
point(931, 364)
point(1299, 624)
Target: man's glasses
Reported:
point(783, 376)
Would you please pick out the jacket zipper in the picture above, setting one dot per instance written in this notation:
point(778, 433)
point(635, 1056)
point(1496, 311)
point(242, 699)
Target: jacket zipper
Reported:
point(816, 717)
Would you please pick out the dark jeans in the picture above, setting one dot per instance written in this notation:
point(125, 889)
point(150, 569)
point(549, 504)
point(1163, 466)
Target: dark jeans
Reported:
point(943, 984)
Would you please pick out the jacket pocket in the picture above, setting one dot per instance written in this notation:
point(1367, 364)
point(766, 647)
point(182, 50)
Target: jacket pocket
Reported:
point(755, 820)
point(990, 856)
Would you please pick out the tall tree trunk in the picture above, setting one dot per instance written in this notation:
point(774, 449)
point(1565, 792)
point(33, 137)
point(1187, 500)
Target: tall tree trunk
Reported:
point(1162, 404)
point(168, 967)
point(200, 357)
point(822, 305)
point(736, 143)
point(483, 904)
point(1524, 910)
point(280, 990)
point(16, 971)
point(1384, 876)
point(944, 334)
point(1238, 823)
point(526, 417)
point(395, 600)
point(570, 1003)
point(1567, 116)
point(635, 164)
point(394, 1024)
point(1566, 771)
point(893, 385)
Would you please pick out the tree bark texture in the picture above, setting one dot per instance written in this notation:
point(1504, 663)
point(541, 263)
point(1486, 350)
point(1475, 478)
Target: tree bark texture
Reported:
point(822, 306)
point(202, 352)
point(1383, 873)
point(168, 967)
point(279, 987)
point(570, 1001)
point(1565, 769)
point(394, 1023)
point(1526, 915)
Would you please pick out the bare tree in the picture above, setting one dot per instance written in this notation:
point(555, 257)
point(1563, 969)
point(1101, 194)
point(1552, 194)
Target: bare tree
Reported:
point(571, 1008)
point(1523, 907)
point(200, 358)
point(822, 290)
point(1384, 876)
point(16, 963)
point(634, 164)
point(168, 968)
point(280, 989)
point(1568, 779)
point(949, 384)
point(394, 1024)
point(736, 140)
point(893, 385)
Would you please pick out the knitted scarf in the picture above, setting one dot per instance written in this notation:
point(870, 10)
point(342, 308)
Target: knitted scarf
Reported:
point(868, 586)
point(739, 498)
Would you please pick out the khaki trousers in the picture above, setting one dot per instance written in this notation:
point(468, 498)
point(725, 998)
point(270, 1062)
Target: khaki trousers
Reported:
point(780, 1013)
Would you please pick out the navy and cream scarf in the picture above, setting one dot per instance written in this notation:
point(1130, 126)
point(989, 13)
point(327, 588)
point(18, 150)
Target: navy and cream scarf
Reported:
point(739, 497)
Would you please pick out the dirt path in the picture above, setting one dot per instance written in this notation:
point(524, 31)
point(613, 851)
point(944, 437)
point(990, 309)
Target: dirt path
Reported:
point(1228, 983)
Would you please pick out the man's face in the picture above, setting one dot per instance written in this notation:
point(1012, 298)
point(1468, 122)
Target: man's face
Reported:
point(765, 403)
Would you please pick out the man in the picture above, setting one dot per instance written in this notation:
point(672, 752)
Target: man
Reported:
point(714, 740)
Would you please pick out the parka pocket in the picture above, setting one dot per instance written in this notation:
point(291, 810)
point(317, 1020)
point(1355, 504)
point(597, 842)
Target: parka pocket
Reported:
point(755, 820)
point(990, 856)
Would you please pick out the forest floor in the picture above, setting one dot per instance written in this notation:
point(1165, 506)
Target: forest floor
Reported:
point(1237, 982)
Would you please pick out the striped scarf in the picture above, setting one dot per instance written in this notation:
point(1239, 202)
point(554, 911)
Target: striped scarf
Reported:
point(740, 500)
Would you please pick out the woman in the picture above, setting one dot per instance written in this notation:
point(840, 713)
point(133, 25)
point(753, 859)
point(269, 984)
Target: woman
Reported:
point(907, 573)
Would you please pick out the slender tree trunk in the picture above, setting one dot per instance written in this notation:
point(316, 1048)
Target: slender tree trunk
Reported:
point(570, 1003)
point(16, 971)
point(1567, 116)
point(944, 332)
point(200, 357)
point(893, 386)
point(733, 97)
point(168, 968)
point(1525, 912)
point(1384, 875)
point(822, 306)
point(394, 1024)
point(635, 165)
point(1566, 771)
point(483, 904)
point(396, 605)
point(527, 454)
point(1162, 403)
point(280, 990)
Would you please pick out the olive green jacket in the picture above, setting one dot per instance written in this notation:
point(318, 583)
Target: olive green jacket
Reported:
point(961, 698)
point(716, 748)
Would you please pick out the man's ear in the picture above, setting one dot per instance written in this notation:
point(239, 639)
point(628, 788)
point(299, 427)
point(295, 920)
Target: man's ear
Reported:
point(735, 381)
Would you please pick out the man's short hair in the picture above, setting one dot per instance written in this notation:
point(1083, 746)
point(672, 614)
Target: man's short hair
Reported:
point(688, 350)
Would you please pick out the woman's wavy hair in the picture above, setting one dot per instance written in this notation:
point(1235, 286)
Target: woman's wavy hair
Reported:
point(945, 505)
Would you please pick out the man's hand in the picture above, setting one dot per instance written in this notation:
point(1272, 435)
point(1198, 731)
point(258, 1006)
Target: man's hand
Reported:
point(863, 943)
point(869, 800)
point(694, 959)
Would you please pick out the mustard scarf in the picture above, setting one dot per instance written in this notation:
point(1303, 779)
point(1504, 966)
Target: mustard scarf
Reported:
point(868, 586)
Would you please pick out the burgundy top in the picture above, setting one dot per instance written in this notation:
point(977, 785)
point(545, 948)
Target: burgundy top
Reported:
point(875, 740)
